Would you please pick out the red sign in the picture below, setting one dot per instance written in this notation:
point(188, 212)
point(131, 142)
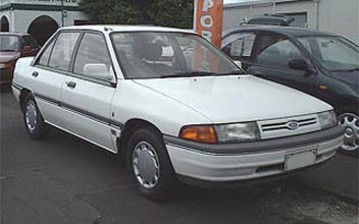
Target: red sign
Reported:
point(208, 18)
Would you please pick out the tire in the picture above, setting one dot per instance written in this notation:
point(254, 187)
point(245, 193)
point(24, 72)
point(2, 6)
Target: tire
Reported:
point(350, 121)
point(149, 164)
point(34, 123)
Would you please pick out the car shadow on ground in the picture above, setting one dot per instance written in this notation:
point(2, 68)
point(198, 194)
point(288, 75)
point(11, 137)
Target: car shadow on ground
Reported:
point(280, 201)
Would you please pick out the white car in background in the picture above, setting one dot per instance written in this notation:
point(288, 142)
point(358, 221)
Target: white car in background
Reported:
point(171, 115)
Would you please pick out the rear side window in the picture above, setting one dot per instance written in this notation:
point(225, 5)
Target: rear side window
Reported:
point(240, 46)
point(29, 41)
point(62, 51)
point(92, 52)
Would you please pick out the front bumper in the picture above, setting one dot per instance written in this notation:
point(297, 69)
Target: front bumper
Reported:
point(6, 76)
point(224, 163)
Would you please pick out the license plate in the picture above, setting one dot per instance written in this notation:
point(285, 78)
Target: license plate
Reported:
point(300, 160)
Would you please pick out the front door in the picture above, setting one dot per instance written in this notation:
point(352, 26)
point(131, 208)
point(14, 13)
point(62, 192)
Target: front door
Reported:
point(273, 54)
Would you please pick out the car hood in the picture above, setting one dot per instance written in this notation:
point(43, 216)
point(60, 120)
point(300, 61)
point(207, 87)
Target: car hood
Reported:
point(8, 56)
point(225, 99)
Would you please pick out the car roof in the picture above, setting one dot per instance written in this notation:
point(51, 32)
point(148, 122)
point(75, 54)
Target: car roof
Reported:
point(127, 28)
point(287, 31)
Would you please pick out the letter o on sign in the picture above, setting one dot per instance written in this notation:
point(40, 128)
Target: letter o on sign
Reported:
point(206, 21)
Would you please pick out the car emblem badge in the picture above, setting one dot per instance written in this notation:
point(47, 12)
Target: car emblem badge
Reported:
point(292, 125)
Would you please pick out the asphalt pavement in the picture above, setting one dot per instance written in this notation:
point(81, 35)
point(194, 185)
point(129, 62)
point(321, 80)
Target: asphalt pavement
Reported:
point(66, 180)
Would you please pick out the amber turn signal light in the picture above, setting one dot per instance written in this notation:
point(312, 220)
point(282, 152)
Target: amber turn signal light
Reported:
point(199, 133)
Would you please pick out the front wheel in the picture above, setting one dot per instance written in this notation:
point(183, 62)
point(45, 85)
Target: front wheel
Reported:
point(34, 123)
point(149, 164)
point(350, 122)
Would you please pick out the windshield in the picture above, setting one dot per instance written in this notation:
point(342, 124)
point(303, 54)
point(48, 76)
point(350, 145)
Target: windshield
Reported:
point(335, 53)
point(9, 43)
point(145, 55)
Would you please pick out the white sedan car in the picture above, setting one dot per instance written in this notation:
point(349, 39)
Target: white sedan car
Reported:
point(172, 105)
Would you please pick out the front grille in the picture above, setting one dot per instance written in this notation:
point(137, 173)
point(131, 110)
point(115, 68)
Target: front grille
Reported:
point(283, 125)
point(288, 126)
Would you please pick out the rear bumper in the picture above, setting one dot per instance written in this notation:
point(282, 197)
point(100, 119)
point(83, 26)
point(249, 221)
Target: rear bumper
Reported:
point(259, 161)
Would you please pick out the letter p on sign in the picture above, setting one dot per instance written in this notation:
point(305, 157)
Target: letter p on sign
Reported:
point(208, 16)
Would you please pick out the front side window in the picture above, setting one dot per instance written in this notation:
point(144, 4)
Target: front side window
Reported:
point(62, 51)
point(164, 55)
point(9, 43)
point(239, 46)
point(93, 57)
point(335, 53)
point(278, 53)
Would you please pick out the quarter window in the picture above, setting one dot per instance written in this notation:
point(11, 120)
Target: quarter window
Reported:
point(93, 54)
point(63, 49)
point(44, 59)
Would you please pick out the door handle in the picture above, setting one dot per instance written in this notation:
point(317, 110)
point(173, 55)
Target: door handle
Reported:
point(71, 84)
point(35, 74)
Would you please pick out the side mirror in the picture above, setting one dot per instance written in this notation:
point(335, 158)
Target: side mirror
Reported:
point(98, 71)
point(26, 50)
point(298, 64)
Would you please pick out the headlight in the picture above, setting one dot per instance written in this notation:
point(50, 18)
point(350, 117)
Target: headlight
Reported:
point(5, 65)
point(238, 132)
point(223, 133)
point(327, 119)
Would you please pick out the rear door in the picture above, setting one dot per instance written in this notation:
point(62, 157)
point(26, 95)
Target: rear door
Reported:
point(88, 92)
point(49, 74)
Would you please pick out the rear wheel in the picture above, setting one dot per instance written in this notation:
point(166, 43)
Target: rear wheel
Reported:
point(149, 164)
point(34, 123)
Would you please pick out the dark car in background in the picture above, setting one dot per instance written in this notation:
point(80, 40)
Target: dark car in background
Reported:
point(323, 65)
point(12, 47)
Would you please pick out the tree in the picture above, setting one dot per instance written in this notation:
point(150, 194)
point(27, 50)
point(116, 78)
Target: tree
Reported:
point(173, 13)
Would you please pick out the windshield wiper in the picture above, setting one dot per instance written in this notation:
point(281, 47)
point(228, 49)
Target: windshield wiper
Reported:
point(188, 74)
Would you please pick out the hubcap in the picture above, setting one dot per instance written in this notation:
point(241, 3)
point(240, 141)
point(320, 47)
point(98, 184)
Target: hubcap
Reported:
point(31, 116)
point(351, 134)
point(145, 164)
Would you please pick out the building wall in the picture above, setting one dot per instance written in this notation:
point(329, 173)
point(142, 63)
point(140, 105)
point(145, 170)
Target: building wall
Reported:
point(341, 17)
point(236, 13)
point(21, 13)
point(9, 15)
point(337, 16)
point(23, 18)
